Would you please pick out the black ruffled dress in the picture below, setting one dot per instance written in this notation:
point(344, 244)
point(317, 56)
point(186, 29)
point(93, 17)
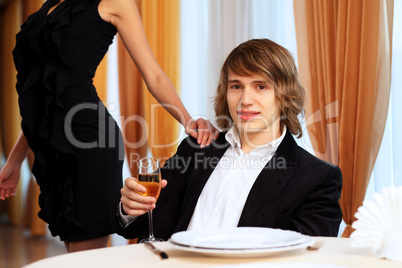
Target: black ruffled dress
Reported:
point(77, 145)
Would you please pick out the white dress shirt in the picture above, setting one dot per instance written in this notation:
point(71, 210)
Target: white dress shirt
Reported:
point(221, 202)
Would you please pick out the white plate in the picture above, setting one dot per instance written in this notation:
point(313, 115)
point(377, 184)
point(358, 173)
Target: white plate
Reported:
point(245, 253)
point(238, 238)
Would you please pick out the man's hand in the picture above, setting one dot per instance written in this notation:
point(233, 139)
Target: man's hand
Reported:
point(133, 202)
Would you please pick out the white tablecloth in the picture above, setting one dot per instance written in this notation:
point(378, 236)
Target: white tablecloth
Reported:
point(335, 252)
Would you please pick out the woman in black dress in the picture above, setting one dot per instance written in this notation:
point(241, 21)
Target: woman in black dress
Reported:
point(77, 145)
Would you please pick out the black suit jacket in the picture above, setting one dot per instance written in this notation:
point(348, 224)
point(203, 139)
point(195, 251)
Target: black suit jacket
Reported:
point(295, 191)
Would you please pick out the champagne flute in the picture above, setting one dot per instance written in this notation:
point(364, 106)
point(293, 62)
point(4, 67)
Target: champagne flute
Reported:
point(149, 175)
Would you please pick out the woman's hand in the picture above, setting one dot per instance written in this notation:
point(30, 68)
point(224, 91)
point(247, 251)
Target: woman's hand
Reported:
point(203, 131)
point(10, 173)
point(9, 178)
point(135, 204)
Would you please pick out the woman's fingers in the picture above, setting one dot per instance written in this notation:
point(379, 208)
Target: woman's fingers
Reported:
point(206, 132)
point(2, 194)
point(9, 177)
point(191, 130)
point(213, 135)
point(7, 193)
point(203, 131)
point(216, 133)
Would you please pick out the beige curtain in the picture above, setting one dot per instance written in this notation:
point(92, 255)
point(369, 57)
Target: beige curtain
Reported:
point(162, 26)
point(344, 53)
point(2, 6)
point(10, 117)
point(161, 23)
point(131, 105)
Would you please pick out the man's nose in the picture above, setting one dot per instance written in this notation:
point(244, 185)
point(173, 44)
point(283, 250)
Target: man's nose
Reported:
point(247, 97)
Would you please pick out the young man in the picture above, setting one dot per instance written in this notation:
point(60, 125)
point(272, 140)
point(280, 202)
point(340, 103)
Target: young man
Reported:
point(252, 175)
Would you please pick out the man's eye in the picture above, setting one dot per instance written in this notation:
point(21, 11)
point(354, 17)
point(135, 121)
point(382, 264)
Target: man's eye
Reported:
point(235, 87)
point(261, 87)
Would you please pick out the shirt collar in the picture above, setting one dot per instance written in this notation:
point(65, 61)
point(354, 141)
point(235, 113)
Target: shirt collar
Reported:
point(232, 137)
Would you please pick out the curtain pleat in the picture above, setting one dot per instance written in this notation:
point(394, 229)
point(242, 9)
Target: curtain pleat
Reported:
point(131, 107)
point(11, 120)
point(29, 7)
point(2, 22)
point(35, 224)
point(344, 52)
point(161, 20)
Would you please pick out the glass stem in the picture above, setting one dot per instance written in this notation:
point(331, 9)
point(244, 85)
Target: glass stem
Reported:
point(151, 226)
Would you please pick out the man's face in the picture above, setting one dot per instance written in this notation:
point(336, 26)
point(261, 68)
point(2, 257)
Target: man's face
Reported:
point(252, 104)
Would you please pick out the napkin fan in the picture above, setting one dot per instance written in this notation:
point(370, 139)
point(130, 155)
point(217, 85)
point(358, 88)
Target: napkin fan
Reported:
point(379, 224)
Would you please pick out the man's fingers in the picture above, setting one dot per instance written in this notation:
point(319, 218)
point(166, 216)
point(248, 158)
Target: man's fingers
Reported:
point(134, 212)
point(132, 204)
point(133, 184)
point(136, 196)
point(146, 203)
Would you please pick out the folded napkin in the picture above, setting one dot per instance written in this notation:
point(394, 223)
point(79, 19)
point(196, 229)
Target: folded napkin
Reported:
point(281, 265)
point(379, 224)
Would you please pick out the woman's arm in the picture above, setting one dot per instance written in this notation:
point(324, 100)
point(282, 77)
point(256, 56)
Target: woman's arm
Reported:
point(124, 15)
point(10, 173)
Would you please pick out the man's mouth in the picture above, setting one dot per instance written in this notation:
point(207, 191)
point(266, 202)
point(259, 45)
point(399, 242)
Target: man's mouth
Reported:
point(247, 115)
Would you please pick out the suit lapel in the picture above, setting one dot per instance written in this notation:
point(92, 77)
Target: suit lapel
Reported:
point(205, 161)
point(269, 182)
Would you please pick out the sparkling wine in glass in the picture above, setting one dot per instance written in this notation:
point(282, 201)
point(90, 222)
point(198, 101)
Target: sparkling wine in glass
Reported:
point(149, 175)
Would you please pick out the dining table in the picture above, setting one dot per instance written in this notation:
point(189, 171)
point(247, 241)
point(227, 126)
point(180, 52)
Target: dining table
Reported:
point(333, 252)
